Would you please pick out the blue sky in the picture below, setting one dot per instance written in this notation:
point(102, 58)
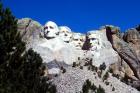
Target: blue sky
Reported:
point(79, 15)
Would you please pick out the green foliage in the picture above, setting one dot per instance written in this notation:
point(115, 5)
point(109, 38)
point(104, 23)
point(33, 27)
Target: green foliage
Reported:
point(93, 87)
point(88, 86)
point(20, 70)
point(11, 45)
point(93, 68)
point(81, 67)
point(100, 90)
point(107, 83)
point(110, 70)
point(115, 75)
point(85, 89)
point(138, 88)
point(125, 79)
point(88, 83)
point(106, 76)
point(99, 73)
point(88, 67)
point(78, 58)
point(88, 62)
point(74, 64)
point(113, 89)
point(64, 70)
point(102, 66)
point(96, 69)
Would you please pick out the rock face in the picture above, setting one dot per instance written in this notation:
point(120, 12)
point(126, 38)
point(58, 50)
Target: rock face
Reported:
point(132, 37)
point(56, 54)
point(59, 48)
point(126, 51)
point(121, 68)
point(101, 49)
point(56, 49)
point(29, 29)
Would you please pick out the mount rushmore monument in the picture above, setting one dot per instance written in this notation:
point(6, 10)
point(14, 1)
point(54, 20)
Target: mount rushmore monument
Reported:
point(60, 46)
point(59, 43)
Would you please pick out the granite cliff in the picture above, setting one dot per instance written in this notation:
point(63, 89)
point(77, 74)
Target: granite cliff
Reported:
point(61, 48)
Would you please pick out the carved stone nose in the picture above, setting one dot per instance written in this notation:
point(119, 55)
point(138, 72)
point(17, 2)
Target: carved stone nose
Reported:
point(66, 35)
point(48, 32)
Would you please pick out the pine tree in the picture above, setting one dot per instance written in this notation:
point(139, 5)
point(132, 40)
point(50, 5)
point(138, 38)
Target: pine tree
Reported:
point(20, 70)
point(105, 77)
point(102, 66)
point(100, 90)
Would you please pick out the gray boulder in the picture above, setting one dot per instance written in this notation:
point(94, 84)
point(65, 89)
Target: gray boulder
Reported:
point(29, 29)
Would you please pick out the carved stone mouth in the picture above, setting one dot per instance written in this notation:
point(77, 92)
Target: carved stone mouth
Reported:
point(66, 41)
point(78, 45)
point(48, 37)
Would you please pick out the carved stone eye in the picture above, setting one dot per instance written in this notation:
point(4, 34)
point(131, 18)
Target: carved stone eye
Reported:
point(93, 38)
point(81, 39)
point(89, 34)
point(76, 39)
point(63, 31)
point(45, 28)
point(51, 27)
point(66, 35)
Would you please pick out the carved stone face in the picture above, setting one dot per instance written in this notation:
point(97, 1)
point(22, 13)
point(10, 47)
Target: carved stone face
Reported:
point(65, 33)
point(51, 30)
point(78, 40)
point(94, 40)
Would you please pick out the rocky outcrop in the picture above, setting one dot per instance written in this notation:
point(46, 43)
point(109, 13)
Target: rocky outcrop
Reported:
point(121, 68)
point(132, 37)
point(126, 52)
point(29, 29)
